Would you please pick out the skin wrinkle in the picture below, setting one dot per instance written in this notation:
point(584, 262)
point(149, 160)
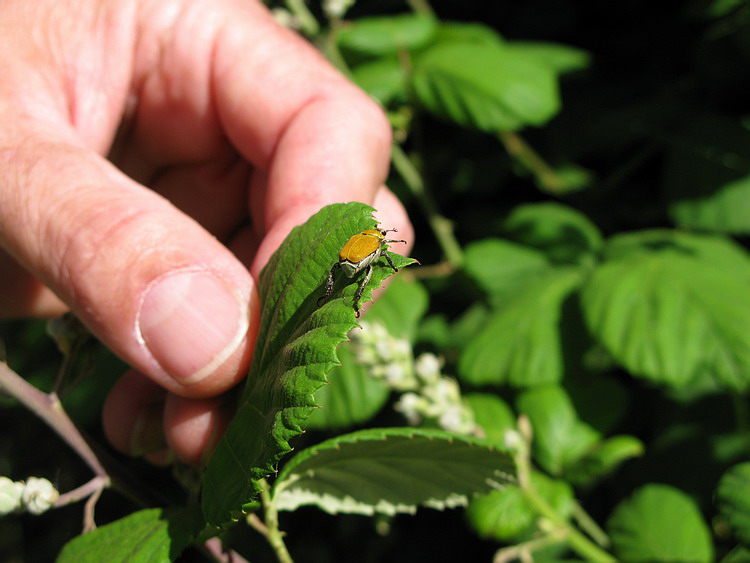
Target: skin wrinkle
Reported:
point(195, 107)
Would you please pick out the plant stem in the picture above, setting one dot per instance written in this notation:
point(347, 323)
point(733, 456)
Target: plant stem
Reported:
point(421, 7)
point(520, 150)
point(49, 409)
point(270, 528)
point(577, 541)
point(306, 20)
point(590, 526)
point(441, 226)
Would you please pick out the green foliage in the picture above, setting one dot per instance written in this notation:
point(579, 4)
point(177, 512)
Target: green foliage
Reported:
point(296, 349)
point(354, 396)
point(485, 86)
point(660, 523)
point(387, 35)
point(388, 471)
point(507, 515)
point(153, 535)
point(707, 176)
point(528, 327)
point(564, 444)
point(581, 213)
point(733, 496)
point(668, 313)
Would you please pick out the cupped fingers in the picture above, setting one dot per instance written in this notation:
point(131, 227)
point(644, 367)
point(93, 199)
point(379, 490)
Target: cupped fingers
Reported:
point(146, 279)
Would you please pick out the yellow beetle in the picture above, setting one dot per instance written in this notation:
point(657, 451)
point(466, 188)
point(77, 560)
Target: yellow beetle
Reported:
point(358, 254)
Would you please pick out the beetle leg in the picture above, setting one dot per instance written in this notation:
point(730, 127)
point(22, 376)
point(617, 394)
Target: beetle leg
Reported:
point(361, 288)
point(390, 263)
point(329, 284)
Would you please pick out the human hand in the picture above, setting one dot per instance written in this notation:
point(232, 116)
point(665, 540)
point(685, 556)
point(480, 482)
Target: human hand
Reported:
point(223, 131)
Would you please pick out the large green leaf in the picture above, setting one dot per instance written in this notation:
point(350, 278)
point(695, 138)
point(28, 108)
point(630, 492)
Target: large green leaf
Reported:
point(389, 471)
point(499, 266)
point(295, 350)
point(153, 535)
point(660, 523)
point(354, 396)
point(733, 496)
point(387, 35)
point(521, 342)
point(383, 79)
point(667, 312)
point(560, 438)
point(492, 415)
point(562, 233)
point(485, 85)
point(560, 58)
point(506, 515)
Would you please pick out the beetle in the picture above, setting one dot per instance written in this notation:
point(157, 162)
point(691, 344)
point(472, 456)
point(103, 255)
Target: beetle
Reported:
point(358, 254)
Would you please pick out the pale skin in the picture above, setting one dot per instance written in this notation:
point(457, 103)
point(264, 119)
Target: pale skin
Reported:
point(153, 155)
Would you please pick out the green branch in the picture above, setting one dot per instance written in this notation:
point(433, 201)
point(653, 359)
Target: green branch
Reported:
point(441, 226)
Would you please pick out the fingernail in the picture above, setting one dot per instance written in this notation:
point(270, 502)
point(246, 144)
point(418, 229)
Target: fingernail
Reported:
point(191, 322)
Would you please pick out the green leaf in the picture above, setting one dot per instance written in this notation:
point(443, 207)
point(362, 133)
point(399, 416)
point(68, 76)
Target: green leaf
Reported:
point(667, 313)
point(351, 397)
point(493, 415)
point(462, 32)
point(520, 344)
point(153, 535)
point(485, 86)
point(354, 396)
point(559, 58)
point(499, 266)
point(560, 438)
point(387, 35)
point(401, 308)
point(660, 523)
point(733, 496)
point(390, 471)
point(295, 350)
point(383, 79)
point(563, 234)
point(707, 176)
point(717, 250)
point(603, 459)
point(506, 515)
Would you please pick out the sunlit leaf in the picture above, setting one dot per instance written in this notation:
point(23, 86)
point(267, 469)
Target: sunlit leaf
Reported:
point(661, 524)
point(485, 86)
point(296, 349)
point(387, 35)
point(667, 313)
point(560, 438)
point(520, 343)
point(389, 471)
point(153, 535)
point(506, 515)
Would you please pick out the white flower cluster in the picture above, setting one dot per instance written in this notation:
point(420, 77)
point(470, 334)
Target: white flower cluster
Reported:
point(427, 394)
point(35, 495)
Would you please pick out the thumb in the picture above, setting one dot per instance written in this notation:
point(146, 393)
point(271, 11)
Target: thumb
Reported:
point(150, 282)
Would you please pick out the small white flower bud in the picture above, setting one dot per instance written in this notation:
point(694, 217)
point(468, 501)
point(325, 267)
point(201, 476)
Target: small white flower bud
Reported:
point(513, 440)
point(427, 367)
point(39, 495)
point(411, 406)
point(10, 495)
